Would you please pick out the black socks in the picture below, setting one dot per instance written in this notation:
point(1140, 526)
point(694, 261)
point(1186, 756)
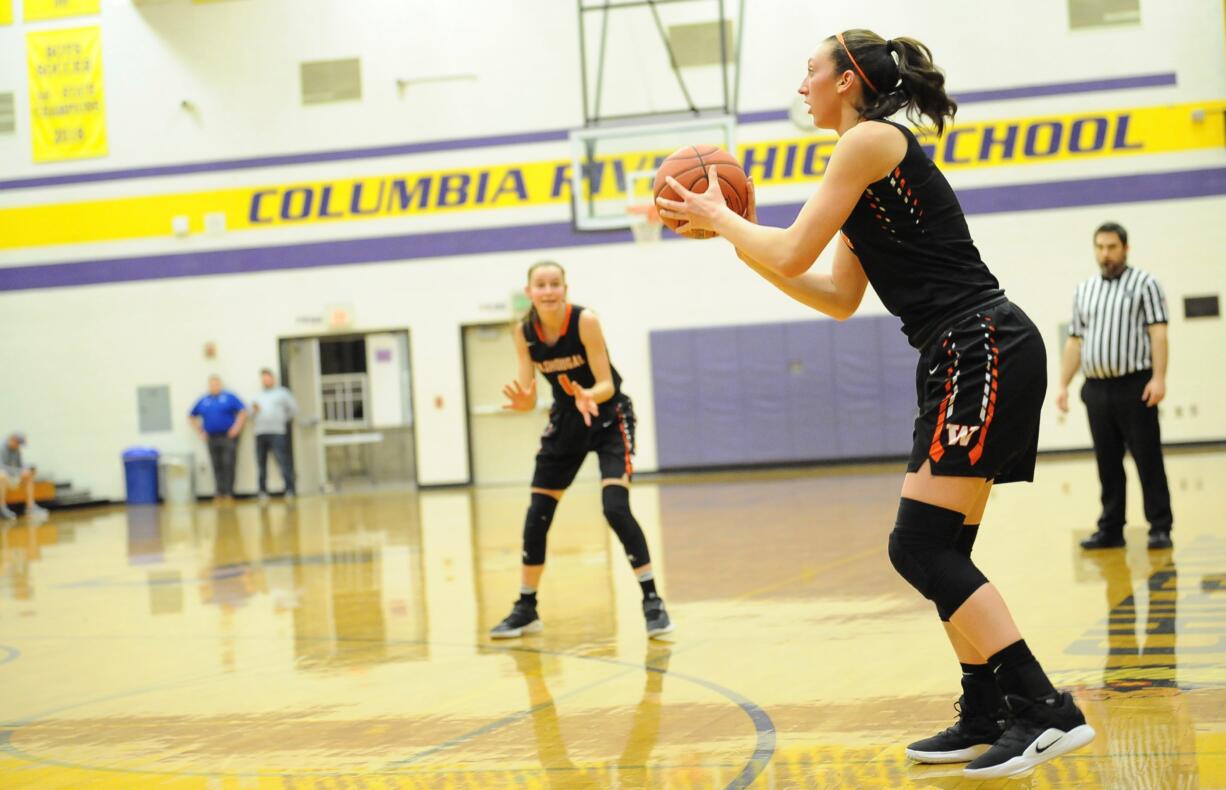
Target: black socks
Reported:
point(1018, 672)
point(647, 581)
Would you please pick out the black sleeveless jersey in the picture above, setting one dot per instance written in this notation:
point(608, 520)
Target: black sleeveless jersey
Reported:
point(911, 237)
point(564, 363)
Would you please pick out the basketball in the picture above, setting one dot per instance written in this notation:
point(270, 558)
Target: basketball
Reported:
point(689, 165)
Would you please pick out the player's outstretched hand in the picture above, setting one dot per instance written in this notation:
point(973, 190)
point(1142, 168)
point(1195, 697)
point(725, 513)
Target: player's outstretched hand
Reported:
point(751, 206)
point(520, 399)
point(586, 405)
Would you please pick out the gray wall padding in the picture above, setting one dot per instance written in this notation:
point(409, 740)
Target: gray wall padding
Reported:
point(770, 393)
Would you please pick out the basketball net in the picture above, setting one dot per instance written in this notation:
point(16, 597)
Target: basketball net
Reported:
point(645, 222)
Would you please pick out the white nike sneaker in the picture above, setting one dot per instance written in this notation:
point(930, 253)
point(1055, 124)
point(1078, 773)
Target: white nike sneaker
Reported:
point(1039, 730)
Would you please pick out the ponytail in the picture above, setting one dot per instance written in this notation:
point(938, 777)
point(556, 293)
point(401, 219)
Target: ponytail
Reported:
point(896, 74)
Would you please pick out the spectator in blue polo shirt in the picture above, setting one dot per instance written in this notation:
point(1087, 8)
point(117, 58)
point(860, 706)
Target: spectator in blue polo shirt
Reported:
point(219, 418)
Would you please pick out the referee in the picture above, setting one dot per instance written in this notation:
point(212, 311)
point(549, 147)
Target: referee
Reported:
point(1118, 340)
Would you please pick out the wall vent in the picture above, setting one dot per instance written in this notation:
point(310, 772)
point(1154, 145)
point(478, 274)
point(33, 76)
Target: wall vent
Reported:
point(331, 80)
point(8, 115)
point(698, 44)
point(1084, 14)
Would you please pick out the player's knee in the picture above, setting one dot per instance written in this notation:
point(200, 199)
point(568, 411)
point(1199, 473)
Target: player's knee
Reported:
point(963, 544)
point(615, 499)
point(536, 528)
point(922, 550)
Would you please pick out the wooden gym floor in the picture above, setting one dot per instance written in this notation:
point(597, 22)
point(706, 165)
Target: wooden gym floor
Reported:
point(340, 642)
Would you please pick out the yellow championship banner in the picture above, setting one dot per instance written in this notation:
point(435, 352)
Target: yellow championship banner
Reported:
point(67, 112)
point(981, 144)
point(36, 10)
point(6, 12)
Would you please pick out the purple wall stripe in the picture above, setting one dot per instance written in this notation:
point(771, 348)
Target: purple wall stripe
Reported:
point(968, 97)
point(1105, 190)
point(979, 200)
point(1059, 88)
point(1020, 92)
point(303, 256)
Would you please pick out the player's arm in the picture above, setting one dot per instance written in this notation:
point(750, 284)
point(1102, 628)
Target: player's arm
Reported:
point(521, 393)
point(863, 155)
point(592, 337)
point(836, 293)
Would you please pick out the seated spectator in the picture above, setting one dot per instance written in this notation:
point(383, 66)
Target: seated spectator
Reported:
point(14, 474)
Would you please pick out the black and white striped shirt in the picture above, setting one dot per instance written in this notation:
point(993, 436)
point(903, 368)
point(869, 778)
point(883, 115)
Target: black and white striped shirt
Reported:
point(1110, 317)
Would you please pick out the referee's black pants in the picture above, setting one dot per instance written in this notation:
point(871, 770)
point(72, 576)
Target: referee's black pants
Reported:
point(1119, 421)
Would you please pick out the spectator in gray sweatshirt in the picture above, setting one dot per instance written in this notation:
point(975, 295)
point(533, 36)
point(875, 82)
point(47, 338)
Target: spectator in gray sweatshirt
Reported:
point(274, 407)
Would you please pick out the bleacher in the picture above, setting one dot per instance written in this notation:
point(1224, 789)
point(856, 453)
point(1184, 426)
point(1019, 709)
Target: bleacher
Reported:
point(52, 494)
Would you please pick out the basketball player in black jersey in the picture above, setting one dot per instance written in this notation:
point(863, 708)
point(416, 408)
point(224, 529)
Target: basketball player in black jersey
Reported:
point(590, 414)
point(980, 381)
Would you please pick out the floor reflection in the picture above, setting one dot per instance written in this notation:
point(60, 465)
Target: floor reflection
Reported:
point(341, 641)
point(632, 768)
point(1149, 733)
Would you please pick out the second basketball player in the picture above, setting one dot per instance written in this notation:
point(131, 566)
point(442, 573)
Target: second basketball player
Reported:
point(590, 414)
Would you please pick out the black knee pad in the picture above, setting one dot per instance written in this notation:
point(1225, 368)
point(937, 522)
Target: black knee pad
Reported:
point(966, 539)
point(963, 544)
point(536, 527)
point(922, 550)
point(616, 501)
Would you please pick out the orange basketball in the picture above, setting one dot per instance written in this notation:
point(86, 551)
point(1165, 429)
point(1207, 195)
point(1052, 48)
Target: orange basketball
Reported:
point(689, 165)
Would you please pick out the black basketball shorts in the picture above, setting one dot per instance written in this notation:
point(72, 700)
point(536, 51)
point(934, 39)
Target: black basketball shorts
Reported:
point(567, 441)
point(980, 386)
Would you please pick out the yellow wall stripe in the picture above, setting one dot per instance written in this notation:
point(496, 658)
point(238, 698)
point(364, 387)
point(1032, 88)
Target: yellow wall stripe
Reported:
point(982, 144)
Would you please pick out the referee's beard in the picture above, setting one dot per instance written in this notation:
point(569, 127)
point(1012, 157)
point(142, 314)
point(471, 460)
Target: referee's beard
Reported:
point(1112, 268)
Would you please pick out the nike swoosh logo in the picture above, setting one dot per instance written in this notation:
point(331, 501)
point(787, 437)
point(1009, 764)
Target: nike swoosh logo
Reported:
point(934, 370)
point(1040, 749)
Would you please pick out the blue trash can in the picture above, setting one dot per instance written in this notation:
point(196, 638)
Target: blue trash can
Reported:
point(140, 471)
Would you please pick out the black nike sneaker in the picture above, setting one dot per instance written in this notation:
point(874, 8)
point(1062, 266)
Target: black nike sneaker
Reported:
point(980, 714)
point(1039, 730)
point(522, 620)
point(656, 616)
